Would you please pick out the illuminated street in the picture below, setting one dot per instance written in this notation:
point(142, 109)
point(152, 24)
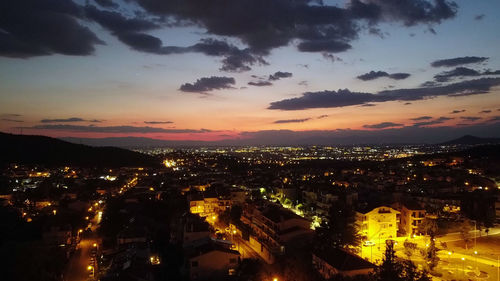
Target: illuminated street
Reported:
point(77, 269)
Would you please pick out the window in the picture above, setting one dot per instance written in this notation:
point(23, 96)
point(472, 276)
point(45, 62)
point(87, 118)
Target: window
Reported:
point(194, 264)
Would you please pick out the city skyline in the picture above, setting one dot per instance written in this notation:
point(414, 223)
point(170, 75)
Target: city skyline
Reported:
point(264, 70)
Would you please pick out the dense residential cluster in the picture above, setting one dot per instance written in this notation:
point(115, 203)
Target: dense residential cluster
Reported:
point(257, 213)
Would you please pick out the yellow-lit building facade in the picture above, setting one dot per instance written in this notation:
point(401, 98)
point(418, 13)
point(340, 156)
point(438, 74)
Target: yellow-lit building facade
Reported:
point(209, 206)
point(411, 218)
point(379, 224)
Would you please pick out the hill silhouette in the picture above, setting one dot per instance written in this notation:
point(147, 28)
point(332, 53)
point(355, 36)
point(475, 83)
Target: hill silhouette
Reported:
point(27, 149)
point(472, 140)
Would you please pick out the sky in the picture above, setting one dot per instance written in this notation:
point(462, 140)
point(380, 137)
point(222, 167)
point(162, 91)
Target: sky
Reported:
point(383, 70)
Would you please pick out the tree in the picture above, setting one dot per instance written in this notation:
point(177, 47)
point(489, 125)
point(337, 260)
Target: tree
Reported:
point(428, 227)
point(431, 255)
point(390, 270)
point(394, 270)
point(465, 229)
point(410, 248)
point(340, 230)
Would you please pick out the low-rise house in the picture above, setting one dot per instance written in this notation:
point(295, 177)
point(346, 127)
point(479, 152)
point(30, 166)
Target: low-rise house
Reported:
point(331, 261)
point(210, 260)
point(194, 228)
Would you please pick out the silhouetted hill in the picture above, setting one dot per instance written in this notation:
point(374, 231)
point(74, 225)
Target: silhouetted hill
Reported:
point(472, 140)
point(50, 151)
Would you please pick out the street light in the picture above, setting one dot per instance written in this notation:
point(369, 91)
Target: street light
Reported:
point(463, 266)
point(275, 279)
point(475, 259)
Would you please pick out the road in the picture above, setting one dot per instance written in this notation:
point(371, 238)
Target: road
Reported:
point(77, 266)
point(245, 251)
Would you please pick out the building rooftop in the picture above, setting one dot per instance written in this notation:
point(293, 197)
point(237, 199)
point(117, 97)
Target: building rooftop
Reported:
point(342, 260)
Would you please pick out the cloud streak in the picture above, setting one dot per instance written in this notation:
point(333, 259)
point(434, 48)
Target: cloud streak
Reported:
point(372, 75)
point(286, 121)
point(158, 122)
point(114, 129)
point(458, 61)
point(69, 120)
point(383, 125)
point(462, 72)
point(207, 84)
point(341, 98)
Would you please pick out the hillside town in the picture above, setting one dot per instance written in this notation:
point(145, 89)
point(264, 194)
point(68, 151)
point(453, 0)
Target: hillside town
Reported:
point(212, 214)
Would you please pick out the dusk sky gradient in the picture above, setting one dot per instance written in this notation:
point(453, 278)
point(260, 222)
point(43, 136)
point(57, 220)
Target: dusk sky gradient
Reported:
point(98, 69)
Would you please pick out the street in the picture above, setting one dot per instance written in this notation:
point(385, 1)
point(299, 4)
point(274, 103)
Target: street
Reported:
point(77, 269)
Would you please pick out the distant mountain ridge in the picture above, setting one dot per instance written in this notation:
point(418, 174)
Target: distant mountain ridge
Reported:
point(472, 140)
point(27, 149)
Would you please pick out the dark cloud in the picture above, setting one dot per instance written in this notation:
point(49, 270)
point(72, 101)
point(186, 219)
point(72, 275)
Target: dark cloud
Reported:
point(106, 3)
point(263, 81)
point(267, 24)
point(372, 75)
point(377, 74)
point(407, 103)
point(278, 75)
point(470, 118)
point(462, 72)
point(457, 111)
point(291, 121)
point(234, 59)
point(131, 32)
point(341, 98)
point(412, 12)
point(458, 61)
point(368, 104)
point(331, 46)
point(117, 23)
point(158, 122)
point(485, 111)
point(304, 83)
point(114, 129)
point(207, 84)
point(69, 120)
point(43, 27)
point(382, 125)
point(322, 99)
point(421, 118)
point(457, 72)
point(439, 120)
point(322, 116)
point(399, 76)
point(260, 83)
point(479, 17)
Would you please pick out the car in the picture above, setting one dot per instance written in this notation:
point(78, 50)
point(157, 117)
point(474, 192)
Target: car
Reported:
point(368, 243)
